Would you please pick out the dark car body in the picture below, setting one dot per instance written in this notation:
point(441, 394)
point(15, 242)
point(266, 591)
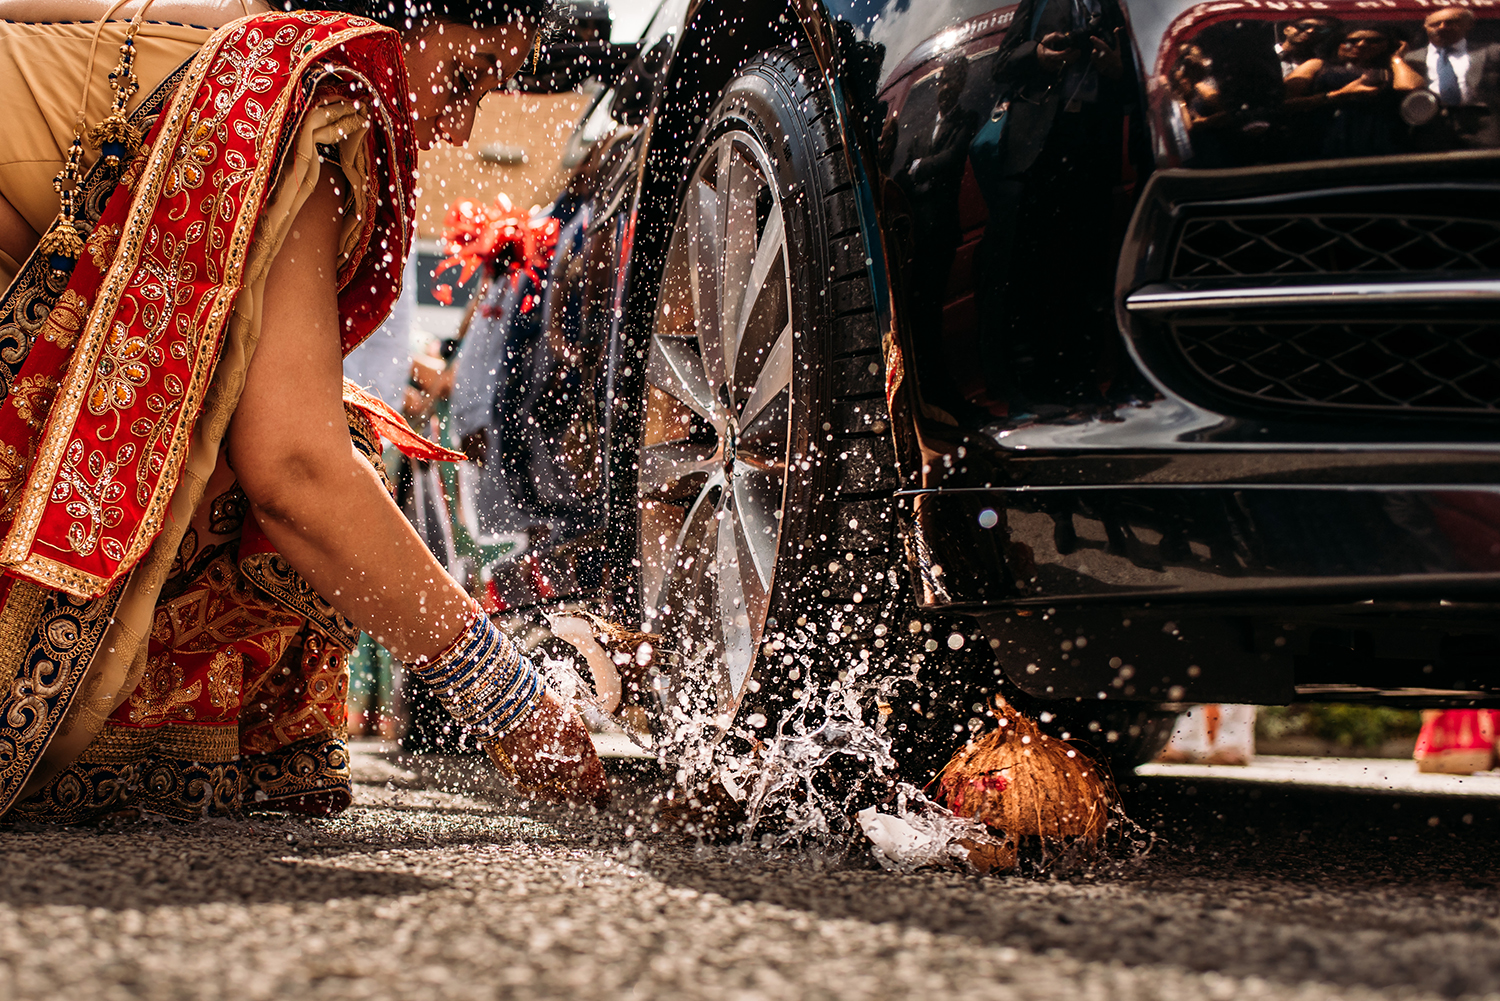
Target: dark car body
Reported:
point(1200, 402)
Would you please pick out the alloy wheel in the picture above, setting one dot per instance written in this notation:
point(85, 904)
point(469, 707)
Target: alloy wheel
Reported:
point(717, 433)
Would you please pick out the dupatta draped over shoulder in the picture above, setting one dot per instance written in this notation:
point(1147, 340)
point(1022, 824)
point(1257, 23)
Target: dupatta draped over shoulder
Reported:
point(155, 651)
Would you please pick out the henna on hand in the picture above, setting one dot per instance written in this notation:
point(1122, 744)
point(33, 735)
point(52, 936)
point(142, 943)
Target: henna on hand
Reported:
point(551, 756)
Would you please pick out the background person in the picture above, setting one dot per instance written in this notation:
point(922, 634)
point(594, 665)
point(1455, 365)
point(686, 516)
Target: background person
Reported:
point(1462, 75)
point(1305, 38)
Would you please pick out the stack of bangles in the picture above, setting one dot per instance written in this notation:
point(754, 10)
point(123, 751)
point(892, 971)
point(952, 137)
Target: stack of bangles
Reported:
point(487, 684)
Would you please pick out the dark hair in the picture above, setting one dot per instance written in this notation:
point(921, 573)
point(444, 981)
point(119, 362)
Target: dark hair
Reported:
point(1390, 33)
point(404, 15)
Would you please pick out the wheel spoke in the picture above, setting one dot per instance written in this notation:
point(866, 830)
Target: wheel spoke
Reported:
point(757, 499)
point(687, 556)
point(664, 467)
point(738, 199)
point(676, 369)
point(734, 606)
point(775, 376)
point(767, 255)
point(705, 240)
point(766, 436)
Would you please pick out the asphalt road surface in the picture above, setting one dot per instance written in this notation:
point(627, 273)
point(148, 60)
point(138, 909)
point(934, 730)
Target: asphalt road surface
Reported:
point(1250, 890)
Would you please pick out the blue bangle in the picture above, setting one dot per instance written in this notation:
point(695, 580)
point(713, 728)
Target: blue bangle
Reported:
point(483, 680)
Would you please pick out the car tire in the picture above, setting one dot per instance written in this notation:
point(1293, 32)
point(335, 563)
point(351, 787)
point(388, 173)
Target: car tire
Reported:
point(766, 540)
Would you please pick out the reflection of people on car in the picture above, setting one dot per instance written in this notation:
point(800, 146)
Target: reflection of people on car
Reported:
point(1304, 39)
point(1044, 314)
point(1361, 85)
point(1460, 75)
point(1368, 60)
point(1192, 83)
point(930, 176)
point(937, 156)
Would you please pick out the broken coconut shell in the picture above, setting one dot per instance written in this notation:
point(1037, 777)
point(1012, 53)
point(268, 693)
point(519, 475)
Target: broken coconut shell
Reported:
point(633, 653)
point(1018, 780)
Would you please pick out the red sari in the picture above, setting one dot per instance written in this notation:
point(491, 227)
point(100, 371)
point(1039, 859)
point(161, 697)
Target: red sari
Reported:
point(155, 651)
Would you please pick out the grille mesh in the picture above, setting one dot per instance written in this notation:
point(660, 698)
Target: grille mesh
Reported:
point(1418, 365)
point(1267, 246)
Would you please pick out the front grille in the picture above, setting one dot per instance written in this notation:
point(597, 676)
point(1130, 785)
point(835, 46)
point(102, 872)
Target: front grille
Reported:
point(1313, 244)
point(1413, 364)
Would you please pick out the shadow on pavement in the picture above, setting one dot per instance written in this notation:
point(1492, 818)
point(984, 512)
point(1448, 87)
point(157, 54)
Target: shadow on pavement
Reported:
point(142, 866)
point(1288, 885)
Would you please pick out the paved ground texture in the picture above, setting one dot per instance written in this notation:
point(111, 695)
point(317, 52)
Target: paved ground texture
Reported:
point(1250, 890)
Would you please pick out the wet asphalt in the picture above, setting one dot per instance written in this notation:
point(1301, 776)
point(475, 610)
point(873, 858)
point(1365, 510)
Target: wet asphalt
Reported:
point(416, 892)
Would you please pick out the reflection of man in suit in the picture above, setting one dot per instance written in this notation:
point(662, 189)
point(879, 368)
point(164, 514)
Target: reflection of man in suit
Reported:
point(1461, 75)
point(1047, 330)
point(931, 176)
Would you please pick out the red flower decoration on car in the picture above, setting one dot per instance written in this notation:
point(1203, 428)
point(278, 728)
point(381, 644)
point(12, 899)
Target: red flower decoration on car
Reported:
point(501, 237)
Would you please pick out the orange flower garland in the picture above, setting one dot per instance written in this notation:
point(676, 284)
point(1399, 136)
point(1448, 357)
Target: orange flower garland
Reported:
point(501, 237)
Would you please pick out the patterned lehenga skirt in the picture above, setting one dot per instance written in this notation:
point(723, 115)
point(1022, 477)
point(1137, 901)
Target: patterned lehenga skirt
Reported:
point(156, 652)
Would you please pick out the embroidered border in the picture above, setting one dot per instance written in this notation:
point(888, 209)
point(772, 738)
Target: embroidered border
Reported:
point(181, 136)
point(181, 771)
point(309, 777)
point(273, 574)
point(67, 633)
point(21, 610)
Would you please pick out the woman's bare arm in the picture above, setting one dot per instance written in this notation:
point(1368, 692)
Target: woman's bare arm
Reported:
point(317, 499)
point(1403, 75)
point(1299, 82)
point(325, 509)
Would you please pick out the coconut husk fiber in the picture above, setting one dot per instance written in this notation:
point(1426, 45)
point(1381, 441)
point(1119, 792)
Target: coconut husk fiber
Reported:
point(633, 655)
point(1034, 789)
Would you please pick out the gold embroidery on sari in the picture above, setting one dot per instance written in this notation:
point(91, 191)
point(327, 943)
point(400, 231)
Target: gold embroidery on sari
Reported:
point(225, 674)
point(89, 484)
point(67, 317)
point(23, 607)
point(226, 516)
point(122, 370)
point(33, 397)
point(13, 466)
point(102, 244)
point(160, 695)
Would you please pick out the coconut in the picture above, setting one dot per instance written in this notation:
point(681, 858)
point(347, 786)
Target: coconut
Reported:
point(1034, 788)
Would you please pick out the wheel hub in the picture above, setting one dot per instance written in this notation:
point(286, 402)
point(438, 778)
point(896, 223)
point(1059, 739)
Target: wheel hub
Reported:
point(731, 450)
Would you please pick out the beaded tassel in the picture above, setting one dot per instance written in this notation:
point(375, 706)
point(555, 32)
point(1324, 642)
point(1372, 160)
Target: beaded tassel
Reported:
point(117, 140)
point(63, 244)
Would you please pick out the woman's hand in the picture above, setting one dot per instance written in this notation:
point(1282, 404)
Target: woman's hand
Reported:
point(1403, 76)
point(551, 756)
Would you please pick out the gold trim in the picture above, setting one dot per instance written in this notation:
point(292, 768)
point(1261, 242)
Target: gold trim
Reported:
point(23, 609)
point(16, 551)
point(117, 744)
